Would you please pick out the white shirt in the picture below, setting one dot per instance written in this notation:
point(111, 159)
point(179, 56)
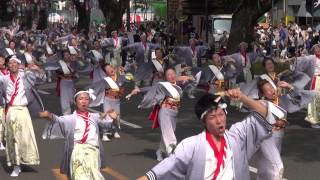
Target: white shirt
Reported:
point(15, 92)
point(117, 43)
point(29, 57)
point(80, 128)
point(146, 51)
point(317, 67)
point(226, 171)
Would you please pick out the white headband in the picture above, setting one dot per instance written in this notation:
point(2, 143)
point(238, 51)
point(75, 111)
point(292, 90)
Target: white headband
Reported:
point(90, 92)
point(267, 78)
point(14, 58)
point(220, 105)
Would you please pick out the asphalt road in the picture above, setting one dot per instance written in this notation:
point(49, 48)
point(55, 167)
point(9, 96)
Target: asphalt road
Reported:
point(134, 154)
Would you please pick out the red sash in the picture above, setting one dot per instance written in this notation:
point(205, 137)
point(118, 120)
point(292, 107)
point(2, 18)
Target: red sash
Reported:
point(218, 155)
point(116, 42)
point(15, 93)
point(145, 46)
point(86, 130)
point(193, 51)
point(4, 71)
point(154, 116)
point(245, 58)
point(313, 83)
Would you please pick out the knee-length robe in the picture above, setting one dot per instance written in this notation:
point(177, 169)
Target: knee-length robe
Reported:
point(63, 127)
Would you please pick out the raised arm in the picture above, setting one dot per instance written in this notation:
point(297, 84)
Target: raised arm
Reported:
point(131, 47)
point(57, 126)
point(255, 105)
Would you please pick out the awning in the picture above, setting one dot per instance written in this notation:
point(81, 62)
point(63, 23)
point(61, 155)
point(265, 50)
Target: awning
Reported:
point(294, 2)
point(302, 10)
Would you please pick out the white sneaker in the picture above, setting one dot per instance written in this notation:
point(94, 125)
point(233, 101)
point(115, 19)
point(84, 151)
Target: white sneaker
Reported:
point(2, 147)
point(105, 138)
point(306, 119)
point(159, 155)
point(16, 171)
point(315, 126)
point(116, 135)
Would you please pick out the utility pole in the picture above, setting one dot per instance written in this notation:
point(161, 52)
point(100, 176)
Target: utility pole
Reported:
point(207, 21)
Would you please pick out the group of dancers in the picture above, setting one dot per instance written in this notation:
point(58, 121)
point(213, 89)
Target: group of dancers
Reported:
point(215, 153)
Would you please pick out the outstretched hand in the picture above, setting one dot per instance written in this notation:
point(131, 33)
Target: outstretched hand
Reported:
point(45, 114)
point(280, 124)
point(234, 94)
point(284, 84)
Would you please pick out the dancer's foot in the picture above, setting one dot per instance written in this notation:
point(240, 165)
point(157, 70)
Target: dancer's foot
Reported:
point(16, 171)
point(116, 135)
point(105, 138)
point(2, 147)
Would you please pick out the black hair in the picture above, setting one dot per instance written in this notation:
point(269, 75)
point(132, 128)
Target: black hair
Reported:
point(261, 83)
point(267, 59)
point(205, 103)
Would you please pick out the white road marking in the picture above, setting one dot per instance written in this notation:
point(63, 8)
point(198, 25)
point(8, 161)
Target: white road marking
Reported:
point(121, 120)
point(255, 170)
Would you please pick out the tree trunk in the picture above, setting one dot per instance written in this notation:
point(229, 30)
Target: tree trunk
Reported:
point(43, 19)
point(242, 28)
point(83, 15)
point(113, 12)
point(4, 14)
point(243, 21)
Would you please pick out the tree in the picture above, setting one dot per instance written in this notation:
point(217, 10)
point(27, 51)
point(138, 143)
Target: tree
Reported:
point(83, 10)
point(244, 19)
point(4, 14)
point(113, 11)
point(245, 16)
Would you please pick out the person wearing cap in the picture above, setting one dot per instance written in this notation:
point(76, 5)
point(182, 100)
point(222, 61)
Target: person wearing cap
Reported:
point(109, 90)
point(142, 52)
point(83, 151)
point(17, 88)
point(311, 65)
point(217, 153)
point(165, 98)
